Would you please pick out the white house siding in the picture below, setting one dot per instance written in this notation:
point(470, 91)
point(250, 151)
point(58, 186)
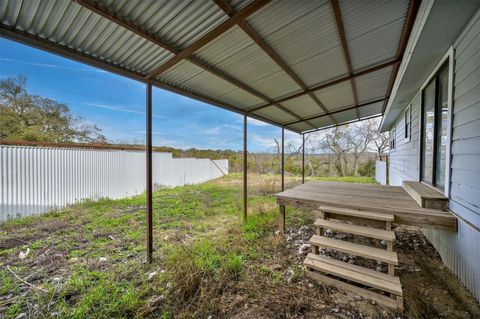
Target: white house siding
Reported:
point(405, 158)
point(460, 251)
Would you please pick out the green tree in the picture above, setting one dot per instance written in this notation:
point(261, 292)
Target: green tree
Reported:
point(26, 117)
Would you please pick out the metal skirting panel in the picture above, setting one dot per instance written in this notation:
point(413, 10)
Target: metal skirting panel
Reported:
point(460, 252)
point(38, 179)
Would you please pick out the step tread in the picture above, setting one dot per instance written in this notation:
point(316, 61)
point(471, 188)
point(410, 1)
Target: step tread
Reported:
point(367, 294)
point(382, 255)
point(423, 190)
point(359, 269)
point(387, 235)
point(353, 275)
point(357, 213)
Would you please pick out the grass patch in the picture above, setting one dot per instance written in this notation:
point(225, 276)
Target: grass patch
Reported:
point(346, 179)
point(90, 257)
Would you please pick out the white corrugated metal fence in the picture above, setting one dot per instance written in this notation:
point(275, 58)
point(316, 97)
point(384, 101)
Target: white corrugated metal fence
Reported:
point(38, 179)
point(381, 172)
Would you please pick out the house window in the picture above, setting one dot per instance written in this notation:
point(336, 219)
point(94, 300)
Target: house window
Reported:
point(434, 130)
point(392, 139)
point(408, 123)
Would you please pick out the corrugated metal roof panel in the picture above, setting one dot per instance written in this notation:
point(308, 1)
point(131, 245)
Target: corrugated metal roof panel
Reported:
point(303, 33)
point(181, 73)
point(236, 54)
point(241, 98)
point(373, 85)
point(345, 116)
point(370, 110)
point(373, 29)
point(337, 96)
point(275, 114)
point(305, 36)
point(239, 4)
point(225, 47)
point(69, 24)
point(322, 121)
point(322, 67)
point(276, 85)
point(9, 11)
point(177, 22)
point(303, 106)
point(300, 127)
point(188, 75)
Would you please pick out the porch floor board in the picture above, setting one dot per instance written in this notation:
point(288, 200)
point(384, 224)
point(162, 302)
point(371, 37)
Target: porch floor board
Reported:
point(374, 198)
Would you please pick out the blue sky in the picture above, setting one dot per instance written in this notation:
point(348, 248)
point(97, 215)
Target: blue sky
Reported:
point(116, 104)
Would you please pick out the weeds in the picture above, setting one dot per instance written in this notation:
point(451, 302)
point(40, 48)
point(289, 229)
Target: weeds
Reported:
point(203, 253)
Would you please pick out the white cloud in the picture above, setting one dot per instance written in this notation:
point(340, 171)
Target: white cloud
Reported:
point(233, 127)
point(257, 122)
point(120, 108)
point(292, 135)
point(54, 66)
point(263, 143)
point(211, 131)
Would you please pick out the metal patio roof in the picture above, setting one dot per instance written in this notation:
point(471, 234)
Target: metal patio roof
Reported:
point(301, 65)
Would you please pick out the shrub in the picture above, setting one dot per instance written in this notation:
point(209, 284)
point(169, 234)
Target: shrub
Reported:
point(367, 168)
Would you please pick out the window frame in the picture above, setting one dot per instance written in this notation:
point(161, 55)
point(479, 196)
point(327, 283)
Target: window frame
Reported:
point(407, 135)
point(448, 57)
point(392, 139)
point(435, 79)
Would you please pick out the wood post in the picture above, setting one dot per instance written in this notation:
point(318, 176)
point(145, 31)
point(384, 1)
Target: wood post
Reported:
point(391, 268)
point(149, 186)
point(245, 168)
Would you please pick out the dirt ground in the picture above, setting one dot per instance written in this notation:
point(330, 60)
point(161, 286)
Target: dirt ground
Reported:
point(89, 262)
point(430, 290)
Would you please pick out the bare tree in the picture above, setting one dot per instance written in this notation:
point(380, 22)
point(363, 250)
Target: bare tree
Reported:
point(336, 142)
point(360, 138)
point(379, 140)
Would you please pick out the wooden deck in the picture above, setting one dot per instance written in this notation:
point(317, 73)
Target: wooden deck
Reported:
point(374, 198)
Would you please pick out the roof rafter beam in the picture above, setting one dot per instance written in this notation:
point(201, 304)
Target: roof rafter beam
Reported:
point(346, 51)
point(343, 123)
point(250, 31)
point(357, 106)
point(104, 12)
point(328, 84)
point(413, 7)
point(209, 36)
point(129, 25)
point(21, 36)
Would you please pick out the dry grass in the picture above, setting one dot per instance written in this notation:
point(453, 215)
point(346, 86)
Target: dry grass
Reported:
point(206, 262)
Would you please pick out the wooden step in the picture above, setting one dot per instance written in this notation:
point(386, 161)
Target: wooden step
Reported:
point(358, 274)
point(357, 213)
point(426, 196)
point(367, 294)
point(389, 257)
point(370, 232)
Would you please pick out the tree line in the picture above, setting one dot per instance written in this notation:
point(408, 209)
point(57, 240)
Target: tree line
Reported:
point(340, 151)
point(27, 117)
